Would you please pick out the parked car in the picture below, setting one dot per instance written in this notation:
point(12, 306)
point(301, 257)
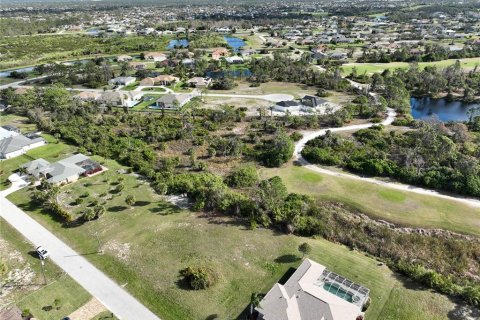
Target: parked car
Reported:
point(42, 253)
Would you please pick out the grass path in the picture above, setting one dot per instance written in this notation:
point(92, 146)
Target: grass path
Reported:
point(397, 206)
point(369, 68)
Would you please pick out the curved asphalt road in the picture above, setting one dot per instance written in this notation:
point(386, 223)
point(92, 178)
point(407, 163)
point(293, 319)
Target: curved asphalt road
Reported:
point(403, 187)
point(113, 296)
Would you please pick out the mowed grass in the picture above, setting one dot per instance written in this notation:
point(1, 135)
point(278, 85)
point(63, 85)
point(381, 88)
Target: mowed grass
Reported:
point(243, 87)
point(146, 246)
point(400, 207)
point(52, 151)
point(19, 256)
point(369, 68)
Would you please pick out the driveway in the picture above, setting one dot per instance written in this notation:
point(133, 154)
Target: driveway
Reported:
point(110, 294)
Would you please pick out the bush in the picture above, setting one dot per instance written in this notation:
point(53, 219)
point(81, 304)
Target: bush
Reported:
point(277, 150)
point(79, 201)
point(199, 278)
point(88, 214)
point(244, 176)
point(296, 136)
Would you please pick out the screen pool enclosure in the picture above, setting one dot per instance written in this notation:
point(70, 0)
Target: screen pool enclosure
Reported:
point(343, 288)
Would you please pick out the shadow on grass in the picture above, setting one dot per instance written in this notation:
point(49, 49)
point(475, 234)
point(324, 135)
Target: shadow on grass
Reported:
point(183, 284)
point(142, 203)
point(164, 209)
point(225, 220)
point(117, 209)
point(287, 258)
point(212, 317)
point(34, 254)
point(33, 206)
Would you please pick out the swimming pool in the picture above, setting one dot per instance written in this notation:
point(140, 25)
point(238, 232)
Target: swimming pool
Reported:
point(330, 287)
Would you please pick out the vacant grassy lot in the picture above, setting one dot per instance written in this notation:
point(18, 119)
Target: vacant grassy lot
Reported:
point(244, 87)
point(147, 245)
point(22, 51)
point(25, 276)
point(379, 202)
point(369, 68)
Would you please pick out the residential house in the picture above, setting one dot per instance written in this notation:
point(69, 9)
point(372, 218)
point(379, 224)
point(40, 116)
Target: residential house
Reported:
point(11, 312)
point(189, 63)
point(16, 145)
point(287, 106)
point(155, 56)
point(147, 82)
point(338, 56)
point(11, 128)
point(248, 52)
point(314, 102)
point(87, 96)
point(137, 65)
point(218, 53)
point(234, 60)
point(172, 101)
point(124, 58)
point(64, 171)
point(5, 133)
point(199, 82)
point(125, 81)
point(120, 99)
point(165, 80)
point(314, 293)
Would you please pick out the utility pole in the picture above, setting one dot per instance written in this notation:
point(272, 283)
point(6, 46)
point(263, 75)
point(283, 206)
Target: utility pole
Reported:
point(42, 262)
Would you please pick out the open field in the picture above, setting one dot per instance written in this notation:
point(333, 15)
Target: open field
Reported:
point(399, 207)
point(244, 87)
point(251, 104)
point(369, 68)
point(30, 293)
point(146, 246)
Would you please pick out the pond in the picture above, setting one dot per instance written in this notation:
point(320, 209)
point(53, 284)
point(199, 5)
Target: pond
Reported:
point(235, 43)
point(425, 107)
point(245, 73)
point(178, 43)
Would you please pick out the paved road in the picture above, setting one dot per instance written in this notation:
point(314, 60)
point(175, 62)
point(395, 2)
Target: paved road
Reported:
point(404, 187)
point(110, 294)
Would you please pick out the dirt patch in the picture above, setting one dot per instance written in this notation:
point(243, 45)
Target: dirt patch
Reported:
point(88, 310)
point(120, 250)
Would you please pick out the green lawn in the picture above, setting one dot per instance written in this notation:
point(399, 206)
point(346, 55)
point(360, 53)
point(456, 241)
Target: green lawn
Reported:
point(52, 152)
point(131, 86)
point(22, 123)
point(146, 246)
point(369, 68)
point(399, 207)
point(31, 293)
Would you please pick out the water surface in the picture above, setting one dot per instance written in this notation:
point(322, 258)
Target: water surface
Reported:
point(425, 107)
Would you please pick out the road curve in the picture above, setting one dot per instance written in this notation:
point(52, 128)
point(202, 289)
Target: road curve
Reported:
point(113, 296)
point(399, 186)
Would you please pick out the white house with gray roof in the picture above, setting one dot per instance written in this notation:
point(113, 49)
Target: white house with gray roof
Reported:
point(64, 171)
point(314, 293)
point(172, 101)
point(16, 145)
